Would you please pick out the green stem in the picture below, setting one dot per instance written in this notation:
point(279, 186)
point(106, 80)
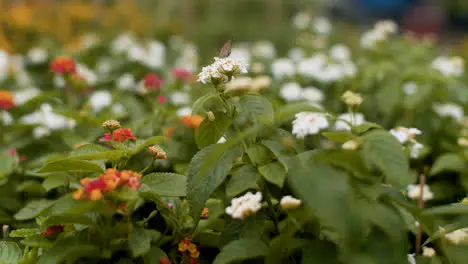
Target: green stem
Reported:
point(267, 195)
point(148, 167)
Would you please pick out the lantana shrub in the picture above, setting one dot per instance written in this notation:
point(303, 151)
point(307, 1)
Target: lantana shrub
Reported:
point(336, 153)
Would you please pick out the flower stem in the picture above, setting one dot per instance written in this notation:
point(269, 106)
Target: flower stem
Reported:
point(267, 195)
point(148, 167)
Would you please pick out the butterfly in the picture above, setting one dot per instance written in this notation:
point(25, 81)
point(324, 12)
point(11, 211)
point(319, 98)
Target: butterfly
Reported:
point(226, 49)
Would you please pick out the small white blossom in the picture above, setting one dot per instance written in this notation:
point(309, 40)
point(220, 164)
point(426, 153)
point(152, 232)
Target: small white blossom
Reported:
point(118, 109)
point(410, 88)
point(309, 123)
point(428, 252)
point(89, 75)
point(59, 81)
point(243, 83)
point(414, 191)
point(291, 92)
point(37, 55)
point(289, 203)
point(411, 259)
point(184, 111)
point(126, 82)
point(210, 73)
point(415, 149)
point(296, 54)
point(155, 55)
point(22, 96)
point(241, 53)
point(356, 119)
point(261, 82)
point(450, 67)
point(301, 20)
point(180, 98)
point(264, 49)
point(340, 52)
point(351, 145)
point(322, 26)
point(6, 118)
point(229, 66)
point(40, 132)
point(100, 100)
point(244, 206)
point(283, 68)
point(312, 94)
point(404, 134)
point(449, 110)
point(45, 117)
point(381, 31)
point(352, 99)
point(221, 140)
point(459, 236)
point(122, 43)
point(4, 64)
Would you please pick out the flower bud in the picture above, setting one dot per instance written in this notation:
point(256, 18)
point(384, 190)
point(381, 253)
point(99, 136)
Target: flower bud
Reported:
point(463, 142)
point(428, 252)
point(211, 116)
point(111, 125)
point(351, 145)
point(290, 203)
point(158, 152)
point(352, 99)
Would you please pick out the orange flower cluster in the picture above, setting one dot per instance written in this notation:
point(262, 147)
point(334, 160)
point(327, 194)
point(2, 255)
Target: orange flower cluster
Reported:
point(192, 121)
point(6, 100)
point(188, 248)
point(63, 65)
point(119, 135)
point(112, 179)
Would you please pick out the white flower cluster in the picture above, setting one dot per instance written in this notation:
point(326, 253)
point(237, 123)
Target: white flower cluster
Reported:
point(292, 91)
point(126, 82)
point(89, 75)
point(4, 64)
point(100, 99)
point(47, 121)
point(188, 58)
point(283, 68)
point(450, 67)
point(327, 69)
point(407, 136)
point(264, 50)
point(37, 55)
point(221, 70)
point(256, 84)
point(459, 236)
point(410, 88)
point(449, 110)
point(414, 191)
point(379, 33)
point(320, 25)
point(355, 119)
point(152, 54)
point(309, 123)
point(22, 96)
point(289, 203)
point(244, 206)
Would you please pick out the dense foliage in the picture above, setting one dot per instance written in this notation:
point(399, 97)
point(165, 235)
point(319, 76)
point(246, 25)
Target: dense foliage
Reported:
point(129, 152)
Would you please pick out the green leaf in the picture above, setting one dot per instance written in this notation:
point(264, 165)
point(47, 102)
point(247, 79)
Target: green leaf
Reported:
point(319, 252)
point(259, 154)
point(69, 249)
point(96, 152)
point(33, 209)
point(312, 181)
point(134, 107)
point(388, 98)
point(209, 132)
point(55, 180)
point(7, 164)
point(39, 241)
point(456, 208)
point(274, 173)
point(279, 150)
point(66, 205)
point(346, 159)
point(208, 102)
point(381, 149)
point(339, 136)
point(366, 126)
point(240, 250)
point(139, 241)
point(154, 255)
point(288, 111)
point(24, 232)
point(447, 162)
point(201, 185)
point(165, 184)
point(147, 143)
point(70, 165)
point(242, 179)
point(258, 108)
point(67, 219)
point(283, 246)
point(10, 253)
